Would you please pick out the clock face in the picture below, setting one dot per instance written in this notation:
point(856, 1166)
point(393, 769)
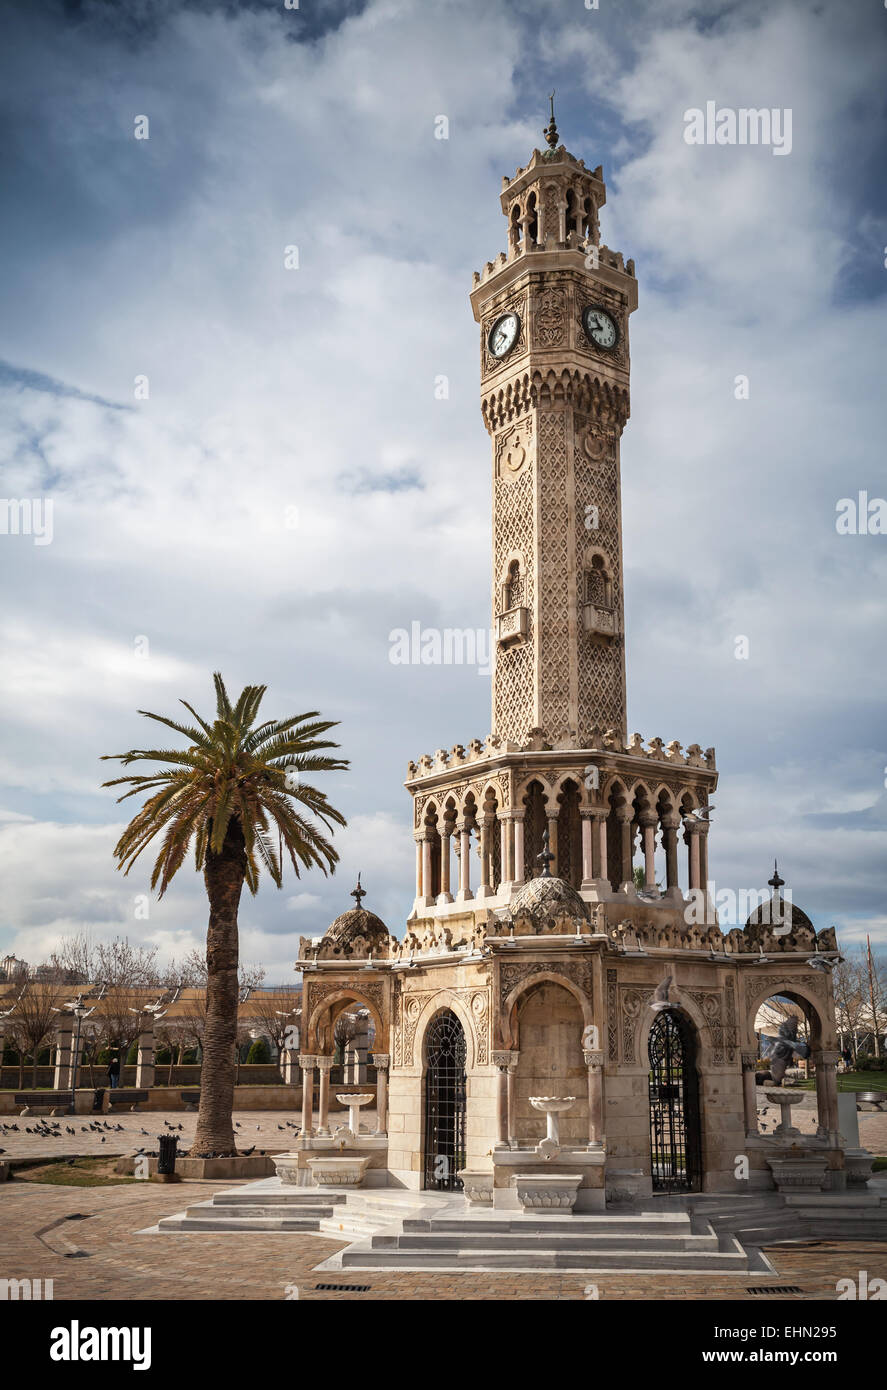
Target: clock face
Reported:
point(600, 329)
point(503, 335)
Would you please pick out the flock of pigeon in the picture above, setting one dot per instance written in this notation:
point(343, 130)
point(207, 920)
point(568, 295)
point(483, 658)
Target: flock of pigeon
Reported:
point(52, 1129)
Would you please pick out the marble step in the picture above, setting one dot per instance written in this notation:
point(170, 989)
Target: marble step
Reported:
point(545, 1256)
point(586, 1226)
point(292, 1197)
point(511, 1240)
point(243, 1213)
point(209, 1222)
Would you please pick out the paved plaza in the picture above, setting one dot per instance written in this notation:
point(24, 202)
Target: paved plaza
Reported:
point(44, 1226)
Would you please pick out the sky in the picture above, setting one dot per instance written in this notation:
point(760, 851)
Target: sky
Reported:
point(220, 356)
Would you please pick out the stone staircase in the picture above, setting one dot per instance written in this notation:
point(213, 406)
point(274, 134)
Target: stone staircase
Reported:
point(391, 1228)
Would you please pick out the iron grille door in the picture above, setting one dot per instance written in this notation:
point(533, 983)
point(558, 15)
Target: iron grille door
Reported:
point(445, 1055)
point(674, 1106)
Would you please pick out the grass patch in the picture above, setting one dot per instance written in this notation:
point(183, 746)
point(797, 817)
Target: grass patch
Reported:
point(853, 1081)
point(879, 1165)
point(83, 1172)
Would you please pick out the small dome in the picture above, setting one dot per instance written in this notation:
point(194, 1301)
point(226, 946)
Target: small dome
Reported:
point(776, 912)
point(544, 898)
point(358, 921)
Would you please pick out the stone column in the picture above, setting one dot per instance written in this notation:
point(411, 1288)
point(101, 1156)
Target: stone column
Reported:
point(586, 816)
point(670, 825)
point(487, 830)
point(64, 1054)
point(594, 1061)
point(691, 830)
point(749, 1093)
point(307, 1062)
point(506, 1062)
point(517, 818)
point(145, 1058)
point(324, 1065)
point(445, 896)
point(600, 849)
point(826, 1064)
point(648, 831)
point(552, 842)
point(702, 833)
point(465, 894)
point(624, 817)
point(418, 866)
point(512, 1116)
point(383, 1061)
point(504, 835)
point(501, 1061)
point(427, 876)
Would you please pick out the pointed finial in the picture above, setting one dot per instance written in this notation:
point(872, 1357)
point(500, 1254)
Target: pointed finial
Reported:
point(775, 882)
point(358, 892)
point(550, 131)
point(546, 857)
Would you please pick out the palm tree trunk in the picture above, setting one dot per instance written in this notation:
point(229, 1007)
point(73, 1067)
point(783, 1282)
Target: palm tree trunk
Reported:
point(223, 875)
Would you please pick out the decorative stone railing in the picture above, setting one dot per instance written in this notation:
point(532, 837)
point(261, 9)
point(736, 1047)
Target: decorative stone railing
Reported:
point(603, 741)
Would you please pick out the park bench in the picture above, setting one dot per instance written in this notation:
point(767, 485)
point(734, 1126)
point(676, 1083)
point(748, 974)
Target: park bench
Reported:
point(122, 1095)
point(45, 1100)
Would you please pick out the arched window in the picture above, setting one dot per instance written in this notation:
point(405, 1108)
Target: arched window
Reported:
point(514, 586)
point(597, 584)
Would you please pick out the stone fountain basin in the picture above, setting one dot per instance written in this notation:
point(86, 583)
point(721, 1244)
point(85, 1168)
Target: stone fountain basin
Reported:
point(554, 1105)
point(355, 1097)
point(338, 1172)
point(287, 1167)
point(782, 1097)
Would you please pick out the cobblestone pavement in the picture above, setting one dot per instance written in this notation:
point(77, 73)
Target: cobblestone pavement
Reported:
point(38, 1234)
point(266, 1129)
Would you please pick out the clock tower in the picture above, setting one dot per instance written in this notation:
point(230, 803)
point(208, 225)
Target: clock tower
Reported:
point(558, 786)
point(553, 313)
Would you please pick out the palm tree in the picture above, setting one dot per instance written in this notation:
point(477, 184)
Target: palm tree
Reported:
point(226, 793)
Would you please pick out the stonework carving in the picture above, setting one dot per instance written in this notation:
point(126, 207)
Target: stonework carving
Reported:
point(550, 319)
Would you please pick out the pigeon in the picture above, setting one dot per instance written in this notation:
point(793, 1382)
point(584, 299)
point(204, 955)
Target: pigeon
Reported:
point(144, 1131)
point(69, 1130)
point(70, 1162)
point(280, 1127)
point(103, 1139)
point(247, 1152)
point(660, 998)
point(2, 1151)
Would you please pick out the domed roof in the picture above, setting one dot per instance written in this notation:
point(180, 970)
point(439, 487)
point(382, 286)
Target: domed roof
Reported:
point(356, 922)
point(546, 897)
point(776, 912)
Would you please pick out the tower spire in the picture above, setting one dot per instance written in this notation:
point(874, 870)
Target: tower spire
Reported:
point(550, 131)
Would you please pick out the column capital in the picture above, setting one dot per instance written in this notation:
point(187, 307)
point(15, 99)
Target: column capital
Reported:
point(826, 1058)
point(592, 1058)
point(323, 1063)
point(382, 1060)
point(624, 814)
point(307, 1061)
point(648, 818)
point(749, 1061)
point(670, 821)
point(505, 1061)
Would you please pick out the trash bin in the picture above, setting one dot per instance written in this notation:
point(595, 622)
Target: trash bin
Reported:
point(98, 1099)
point(166, 1161)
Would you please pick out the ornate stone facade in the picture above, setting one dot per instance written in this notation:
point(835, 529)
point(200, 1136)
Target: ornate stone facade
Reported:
point(529, 934)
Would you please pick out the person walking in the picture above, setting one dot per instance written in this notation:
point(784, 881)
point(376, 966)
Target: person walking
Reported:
point(114, 1072)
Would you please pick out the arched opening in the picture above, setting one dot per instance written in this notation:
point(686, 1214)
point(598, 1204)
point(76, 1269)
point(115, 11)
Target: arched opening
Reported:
point(431, 829)
point(675, 1131)
point(514, 586)
point(569, 835)
point(532, 220)
point(444, 1102)
point(570, 218)
point(535, 824)
point(550, 1062)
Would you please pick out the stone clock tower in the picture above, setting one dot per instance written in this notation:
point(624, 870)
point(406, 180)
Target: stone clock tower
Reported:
point(558, 775)
point(553, 314)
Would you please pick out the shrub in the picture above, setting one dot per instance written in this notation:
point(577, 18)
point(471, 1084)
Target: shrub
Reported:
point(259, 1052)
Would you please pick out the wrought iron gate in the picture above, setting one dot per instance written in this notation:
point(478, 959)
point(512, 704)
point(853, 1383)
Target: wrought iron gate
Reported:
point(674, 1105)
point(444, 1102)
